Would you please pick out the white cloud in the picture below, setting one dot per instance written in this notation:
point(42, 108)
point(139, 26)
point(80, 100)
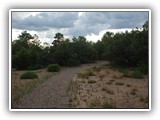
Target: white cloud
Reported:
point(92, 25)
point(95, 38)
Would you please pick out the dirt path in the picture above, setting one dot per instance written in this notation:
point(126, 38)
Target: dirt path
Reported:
point(52, 93)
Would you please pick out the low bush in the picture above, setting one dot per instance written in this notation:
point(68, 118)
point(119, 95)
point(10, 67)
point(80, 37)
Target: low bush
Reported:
point(29, 75)
point(85, 74)
point(53, 68)
point(137, 74)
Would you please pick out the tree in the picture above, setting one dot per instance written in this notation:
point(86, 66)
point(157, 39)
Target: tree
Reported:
point(99, 46)
point(84, 50)
point(129, 48)
point(21, 59)
point(145, 26)
point(26, 53)
point(58, 39)
point(25, 36)
point(63, 53)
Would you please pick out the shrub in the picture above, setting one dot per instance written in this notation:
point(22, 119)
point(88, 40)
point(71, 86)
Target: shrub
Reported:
point(29, 75)
point(53, 68)
point(85, 74)
point(137, 74)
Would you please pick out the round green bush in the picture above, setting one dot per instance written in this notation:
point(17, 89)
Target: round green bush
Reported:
point(29, 75)
point(53, 68)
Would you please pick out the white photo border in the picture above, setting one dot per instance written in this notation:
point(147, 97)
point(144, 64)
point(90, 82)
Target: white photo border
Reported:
point(77, 10)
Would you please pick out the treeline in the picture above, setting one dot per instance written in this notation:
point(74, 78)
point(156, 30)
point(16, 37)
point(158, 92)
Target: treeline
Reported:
point(128, 48)
point(27, 54)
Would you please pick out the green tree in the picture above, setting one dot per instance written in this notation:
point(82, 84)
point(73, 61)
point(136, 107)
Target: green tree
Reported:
point(99, 46)
point(128, 48)
point(84, 50)
point(59, 38)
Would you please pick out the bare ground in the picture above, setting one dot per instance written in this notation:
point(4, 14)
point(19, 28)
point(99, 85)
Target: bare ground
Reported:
point(53, 92)
point(109, 89)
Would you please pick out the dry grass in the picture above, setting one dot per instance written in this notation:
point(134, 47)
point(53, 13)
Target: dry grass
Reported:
point(22, 87)
point(113, 90)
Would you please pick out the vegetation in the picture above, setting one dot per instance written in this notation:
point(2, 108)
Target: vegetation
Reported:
point(137, 74)
point(29, 75)
point(108, 105)
point(124, 49)
point(144, 99)
point(21, 88)
point(53, 68)
point(65, 52)
point(85, 74)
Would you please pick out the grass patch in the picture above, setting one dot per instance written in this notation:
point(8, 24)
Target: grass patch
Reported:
point(23, 87)
point(72, 93)
point(108, 105)
point(28, 88)
point(137, 74)
point(53, 68)
point(29, 75)
point(144, 99)
point(85, 74)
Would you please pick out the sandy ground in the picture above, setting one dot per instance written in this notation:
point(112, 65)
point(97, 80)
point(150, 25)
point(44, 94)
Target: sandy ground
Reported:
point(109, 90)
point(53, 93)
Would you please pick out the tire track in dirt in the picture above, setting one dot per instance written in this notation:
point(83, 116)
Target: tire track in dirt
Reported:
point(52, 93)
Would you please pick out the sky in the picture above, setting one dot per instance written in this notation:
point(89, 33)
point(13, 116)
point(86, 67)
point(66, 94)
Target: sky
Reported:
point(91, 24)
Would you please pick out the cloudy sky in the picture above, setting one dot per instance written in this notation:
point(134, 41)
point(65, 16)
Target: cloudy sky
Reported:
point(92, 25)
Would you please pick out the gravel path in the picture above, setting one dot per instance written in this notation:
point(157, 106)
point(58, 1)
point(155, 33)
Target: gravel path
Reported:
point(52, 93)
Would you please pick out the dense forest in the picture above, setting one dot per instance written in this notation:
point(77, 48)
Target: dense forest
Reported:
point(125, 49)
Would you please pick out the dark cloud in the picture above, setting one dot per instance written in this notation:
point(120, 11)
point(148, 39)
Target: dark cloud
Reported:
point(74, 25)
point(45, 21)
point(128, 19)
point(94, 22)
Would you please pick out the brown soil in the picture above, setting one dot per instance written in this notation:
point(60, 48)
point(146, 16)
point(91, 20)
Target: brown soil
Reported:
point(51, 93)
point(109, 90)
